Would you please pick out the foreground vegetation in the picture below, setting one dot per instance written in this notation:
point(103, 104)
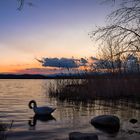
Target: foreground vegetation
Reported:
point(113, 87)
point(4, 128)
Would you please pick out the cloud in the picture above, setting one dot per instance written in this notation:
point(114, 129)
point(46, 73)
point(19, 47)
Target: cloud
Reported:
point(67, 62)
point(83, 61)
point(63, 62)
point(53, 65)
point(38, 71)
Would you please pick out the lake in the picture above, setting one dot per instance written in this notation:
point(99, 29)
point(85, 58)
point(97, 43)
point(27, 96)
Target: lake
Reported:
point(68, 116)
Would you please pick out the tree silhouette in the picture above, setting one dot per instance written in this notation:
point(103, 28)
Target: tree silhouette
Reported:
point(22, 2)
point(123, 27)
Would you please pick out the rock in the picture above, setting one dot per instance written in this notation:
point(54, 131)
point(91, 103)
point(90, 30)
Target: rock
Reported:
point(107, 123)
point(82, 136)
point(133, 121)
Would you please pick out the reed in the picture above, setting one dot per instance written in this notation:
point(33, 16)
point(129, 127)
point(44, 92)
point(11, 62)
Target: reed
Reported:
point(4, 128)
point(112, 87)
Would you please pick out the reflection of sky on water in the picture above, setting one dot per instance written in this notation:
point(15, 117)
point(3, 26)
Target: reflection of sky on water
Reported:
point(14, 98)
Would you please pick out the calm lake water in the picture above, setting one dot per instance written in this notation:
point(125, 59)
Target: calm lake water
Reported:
point(68, 117)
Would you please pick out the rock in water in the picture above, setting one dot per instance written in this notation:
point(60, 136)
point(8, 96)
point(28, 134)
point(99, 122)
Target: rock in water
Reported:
point(133, 121)
point(82, 136)
point(107, 123)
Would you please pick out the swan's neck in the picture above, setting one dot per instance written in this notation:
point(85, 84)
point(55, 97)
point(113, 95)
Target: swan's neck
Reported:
point(32, 104)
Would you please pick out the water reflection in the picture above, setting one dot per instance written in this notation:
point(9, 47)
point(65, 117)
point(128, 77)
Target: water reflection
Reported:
point(71, 116)
point(43, 118)
point(121, 108)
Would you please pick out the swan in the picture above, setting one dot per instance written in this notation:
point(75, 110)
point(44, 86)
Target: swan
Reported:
point(44, 110)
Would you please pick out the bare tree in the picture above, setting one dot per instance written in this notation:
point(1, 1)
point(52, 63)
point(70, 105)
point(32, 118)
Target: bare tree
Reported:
point(123, 29)
point(22, 2)
point(109, 56)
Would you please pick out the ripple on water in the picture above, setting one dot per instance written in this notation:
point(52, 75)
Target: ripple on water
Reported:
point(69, 116)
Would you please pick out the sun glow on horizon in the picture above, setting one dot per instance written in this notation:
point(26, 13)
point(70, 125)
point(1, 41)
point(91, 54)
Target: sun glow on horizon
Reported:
point(52, 29)
point(14, 68)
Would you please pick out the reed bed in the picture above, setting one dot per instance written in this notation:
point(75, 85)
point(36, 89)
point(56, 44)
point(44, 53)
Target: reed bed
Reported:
point(112, 87)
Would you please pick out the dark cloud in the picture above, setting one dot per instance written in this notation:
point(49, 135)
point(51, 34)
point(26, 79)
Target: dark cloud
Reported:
point(67, 62)
point(63, 62)
point(83, 61)
point(93, 58)
point(38, 71)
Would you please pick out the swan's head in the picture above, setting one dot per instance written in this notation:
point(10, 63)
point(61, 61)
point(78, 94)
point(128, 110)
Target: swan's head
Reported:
point(32, 104)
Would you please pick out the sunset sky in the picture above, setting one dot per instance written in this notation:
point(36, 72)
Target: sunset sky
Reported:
point(50, 28)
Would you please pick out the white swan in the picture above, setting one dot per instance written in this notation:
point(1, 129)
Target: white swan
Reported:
point(45, 110)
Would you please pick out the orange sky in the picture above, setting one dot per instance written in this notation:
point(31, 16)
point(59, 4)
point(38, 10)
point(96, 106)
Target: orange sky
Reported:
point(17, 67)
point(52, 29)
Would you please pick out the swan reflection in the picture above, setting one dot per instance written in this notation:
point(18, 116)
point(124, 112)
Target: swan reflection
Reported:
point(43, 118)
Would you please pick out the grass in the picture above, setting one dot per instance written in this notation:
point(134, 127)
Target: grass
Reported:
point(112, 87)
point(4, 127)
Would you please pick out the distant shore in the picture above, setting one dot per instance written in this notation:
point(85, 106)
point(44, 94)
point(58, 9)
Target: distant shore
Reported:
point(70, 76)
point(39, 76)
point(22, 76)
